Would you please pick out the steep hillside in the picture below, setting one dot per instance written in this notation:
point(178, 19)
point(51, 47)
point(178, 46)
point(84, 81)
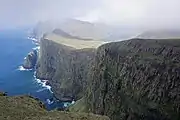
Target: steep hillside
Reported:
point(84, 29)
point(42, 28)
point(72, 28)
point(27, 108)
point(61, 33)
point(136, 80)
point(64, 34)
point(65, 63)
point(160, 34)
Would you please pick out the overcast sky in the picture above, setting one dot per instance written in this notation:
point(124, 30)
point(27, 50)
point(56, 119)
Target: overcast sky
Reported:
point(151, 13)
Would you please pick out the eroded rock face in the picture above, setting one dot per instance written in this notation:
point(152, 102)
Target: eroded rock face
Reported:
point(66, 69)
point(136, 79)
point(30, 60)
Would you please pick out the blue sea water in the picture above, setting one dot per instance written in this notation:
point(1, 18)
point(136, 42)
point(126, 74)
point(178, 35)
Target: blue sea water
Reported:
point(14, 46)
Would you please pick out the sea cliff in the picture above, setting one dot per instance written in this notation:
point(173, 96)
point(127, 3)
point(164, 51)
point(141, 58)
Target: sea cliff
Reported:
point(129, 80)
point(65, 67)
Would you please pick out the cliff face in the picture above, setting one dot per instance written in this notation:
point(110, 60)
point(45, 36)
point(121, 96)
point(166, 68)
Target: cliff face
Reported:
point(128, 80)
point(136, 79)
point(65, 67)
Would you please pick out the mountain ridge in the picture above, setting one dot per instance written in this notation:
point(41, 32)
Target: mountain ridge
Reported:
point(160, 34)
point(84, 30)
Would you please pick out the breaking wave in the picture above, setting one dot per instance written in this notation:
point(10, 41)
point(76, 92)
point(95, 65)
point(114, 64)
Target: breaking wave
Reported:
point(36, 48)
point(21, 68)
point(49, 101)
point(43, 83)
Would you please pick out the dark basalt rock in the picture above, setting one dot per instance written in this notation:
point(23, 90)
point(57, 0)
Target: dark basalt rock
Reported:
point(136, 80)
point(30, 60)
point(47, 83)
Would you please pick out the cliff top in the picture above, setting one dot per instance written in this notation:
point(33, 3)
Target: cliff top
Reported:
point(27, 108)
point(75, 43)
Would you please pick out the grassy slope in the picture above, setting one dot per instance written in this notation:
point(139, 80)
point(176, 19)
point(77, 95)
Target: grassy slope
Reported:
point(84, 29)
point(27, 108)
point(75, 43)
point(79, 106)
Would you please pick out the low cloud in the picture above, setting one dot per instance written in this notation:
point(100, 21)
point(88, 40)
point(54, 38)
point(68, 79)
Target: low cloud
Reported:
point(146, 13)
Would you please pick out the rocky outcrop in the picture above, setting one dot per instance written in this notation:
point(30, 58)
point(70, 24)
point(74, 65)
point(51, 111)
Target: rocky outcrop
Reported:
point(65, 67)
point(30, 60)
point(136, 80)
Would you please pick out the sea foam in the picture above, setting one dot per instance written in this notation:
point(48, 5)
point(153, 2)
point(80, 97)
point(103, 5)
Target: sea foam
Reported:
point(33, 39)
point(21, 68)
point(36, 48)
point(49, 101)
point(43, 83)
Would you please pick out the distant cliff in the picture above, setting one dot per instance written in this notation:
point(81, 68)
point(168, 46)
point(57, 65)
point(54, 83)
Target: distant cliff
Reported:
point(65, 67)
point(136, 79)
point(83, 30)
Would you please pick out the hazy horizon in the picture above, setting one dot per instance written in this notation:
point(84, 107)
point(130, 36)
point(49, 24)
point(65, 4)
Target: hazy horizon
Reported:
point(133, 13)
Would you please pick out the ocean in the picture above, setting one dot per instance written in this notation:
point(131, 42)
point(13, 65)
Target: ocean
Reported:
point(14, 80)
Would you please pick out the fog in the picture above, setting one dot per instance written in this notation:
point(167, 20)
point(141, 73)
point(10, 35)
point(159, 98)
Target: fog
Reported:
point(144, 13)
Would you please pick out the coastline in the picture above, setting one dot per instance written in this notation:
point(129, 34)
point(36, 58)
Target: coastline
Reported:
point(44, 82)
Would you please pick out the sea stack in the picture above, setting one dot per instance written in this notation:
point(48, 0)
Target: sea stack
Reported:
point(30, 60)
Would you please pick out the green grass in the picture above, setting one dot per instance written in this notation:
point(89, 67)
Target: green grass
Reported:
point(27, 108)
point(79, 106)
point(75, 43)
